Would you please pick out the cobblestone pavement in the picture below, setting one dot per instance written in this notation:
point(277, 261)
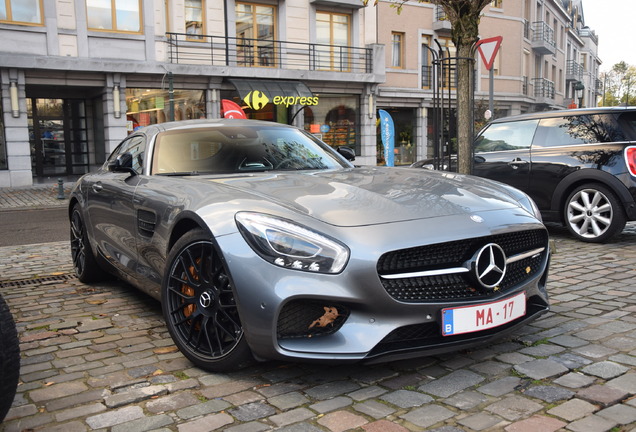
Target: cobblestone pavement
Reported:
point(98, 357)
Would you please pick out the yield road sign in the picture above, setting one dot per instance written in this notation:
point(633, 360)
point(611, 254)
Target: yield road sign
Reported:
point(488, 50)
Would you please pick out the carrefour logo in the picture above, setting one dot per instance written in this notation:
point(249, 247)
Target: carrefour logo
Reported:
point(257, 100)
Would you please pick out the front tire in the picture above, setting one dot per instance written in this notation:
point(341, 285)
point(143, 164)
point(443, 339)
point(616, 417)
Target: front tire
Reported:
point(84, 262)
point(9, 359)
point(593, 214)
point(199, 305)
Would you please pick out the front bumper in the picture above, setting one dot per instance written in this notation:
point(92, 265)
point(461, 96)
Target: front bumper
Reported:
point(364, 320)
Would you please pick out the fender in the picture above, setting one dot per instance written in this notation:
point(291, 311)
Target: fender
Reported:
point(587, 175)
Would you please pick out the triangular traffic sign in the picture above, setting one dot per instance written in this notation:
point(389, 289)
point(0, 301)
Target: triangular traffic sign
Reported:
point(488, 49)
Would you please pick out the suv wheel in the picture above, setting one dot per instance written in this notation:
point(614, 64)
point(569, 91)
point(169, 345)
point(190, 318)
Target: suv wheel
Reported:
point(593, 213)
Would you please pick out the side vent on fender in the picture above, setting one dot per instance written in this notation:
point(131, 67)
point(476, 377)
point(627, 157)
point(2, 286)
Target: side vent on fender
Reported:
point(146, 221)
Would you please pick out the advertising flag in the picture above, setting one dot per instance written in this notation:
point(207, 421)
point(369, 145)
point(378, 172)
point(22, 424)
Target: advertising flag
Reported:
point(232, 110)
point(387, 133)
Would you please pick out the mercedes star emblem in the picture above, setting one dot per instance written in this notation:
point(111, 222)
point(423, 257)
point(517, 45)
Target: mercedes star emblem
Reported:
point(206, 299)
point(489, 266)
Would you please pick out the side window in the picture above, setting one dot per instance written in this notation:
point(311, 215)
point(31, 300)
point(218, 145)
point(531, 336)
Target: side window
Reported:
point(583, 129)
point(627, 125)
point(506, 136)
point(136, 146)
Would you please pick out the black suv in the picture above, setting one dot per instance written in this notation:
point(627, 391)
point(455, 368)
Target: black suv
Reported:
point(578, 165)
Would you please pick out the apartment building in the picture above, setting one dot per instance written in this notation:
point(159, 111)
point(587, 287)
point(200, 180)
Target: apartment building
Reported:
point(78, 75)
point(548, 59)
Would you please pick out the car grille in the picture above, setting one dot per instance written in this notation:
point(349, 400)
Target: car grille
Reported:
point(297, 316)
point(441, 259)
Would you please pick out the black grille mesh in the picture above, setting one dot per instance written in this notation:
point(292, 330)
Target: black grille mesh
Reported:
point(296, 317)
point(457, 287)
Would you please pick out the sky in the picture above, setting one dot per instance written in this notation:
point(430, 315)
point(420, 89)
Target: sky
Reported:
point(614, 22)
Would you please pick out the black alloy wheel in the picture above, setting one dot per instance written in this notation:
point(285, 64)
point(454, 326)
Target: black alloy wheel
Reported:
point(594, 214)
point(86, 267)
point(9, 359)
point(199, 305)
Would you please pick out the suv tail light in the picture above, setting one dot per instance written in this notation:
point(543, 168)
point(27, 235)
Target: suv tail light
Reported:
point(630, 158)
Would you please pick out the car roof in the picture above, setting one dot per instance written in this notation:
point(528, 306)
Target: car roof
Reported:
point(563, 113)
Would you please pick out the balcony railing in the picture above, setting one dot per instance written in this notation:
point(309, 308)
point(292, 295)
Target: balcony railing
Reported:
point(543, 89)
point(441, 22)
point(598, 86)
point(543, 38)
point(242, 52)
point(526, 29)
point(574, 71)
point(524, 85)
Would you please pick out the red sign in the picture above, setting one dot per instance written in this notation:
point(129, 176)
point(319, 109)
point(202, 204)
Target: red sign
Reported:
point(232, 110)
point(488, 49)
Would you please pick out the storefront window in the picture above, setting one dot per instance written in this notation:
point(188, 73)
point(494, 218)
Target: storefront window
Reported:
point(335, 120)
point(151, 106)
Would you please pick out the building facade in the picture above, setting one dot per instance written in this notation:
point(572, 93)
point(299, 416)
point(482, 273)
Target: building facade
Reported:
point(547, 60)
point(77, 76)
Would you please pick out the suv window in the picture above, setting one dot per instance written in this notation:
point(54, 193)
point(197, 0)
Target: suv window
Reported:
point(583, 129)
point(627, 123)
point(506, 136)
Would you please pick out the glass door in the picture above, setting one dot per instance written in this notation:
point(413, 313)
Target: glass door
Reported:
point(57, 136)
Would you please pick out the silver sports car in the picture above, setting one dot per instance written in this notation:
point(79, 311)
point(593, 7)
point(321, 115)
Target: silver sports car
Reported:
point(262, 242)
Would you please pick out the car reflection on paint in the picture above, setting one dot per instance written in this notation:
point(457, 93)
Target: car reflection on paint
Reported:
point(262, 242)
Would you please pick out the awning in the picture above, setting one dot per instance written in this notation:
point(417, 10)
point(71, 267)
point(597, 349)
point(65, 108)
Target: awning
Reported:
point(271, 88)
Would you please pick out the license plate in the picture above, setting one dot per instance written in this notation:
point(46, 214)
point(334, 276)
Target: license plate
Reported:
point(467, 319)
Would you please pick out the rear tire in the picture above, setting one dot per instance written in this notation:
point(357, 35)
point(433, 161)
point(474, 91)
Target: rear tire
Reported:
point(199, 305)
point(9, 359)
point(593, 213)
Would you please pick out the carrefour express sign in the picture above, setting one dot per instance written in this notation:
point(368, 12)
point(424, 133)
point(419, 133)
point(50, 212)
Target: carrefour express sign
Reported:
point(257, 100)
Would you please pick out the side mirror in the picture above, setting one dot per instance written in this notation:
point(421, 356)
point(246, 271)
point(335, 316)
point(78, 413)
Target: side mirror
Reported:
point(347, 153)
point(123, 163)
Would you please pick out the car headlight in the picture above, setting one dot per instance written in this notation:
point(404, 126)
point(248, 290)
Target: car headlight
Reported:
point(289, 245)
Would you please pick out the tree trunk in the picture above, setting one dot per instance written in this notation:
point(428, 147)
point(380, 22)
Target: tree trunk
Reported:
point(464, 110)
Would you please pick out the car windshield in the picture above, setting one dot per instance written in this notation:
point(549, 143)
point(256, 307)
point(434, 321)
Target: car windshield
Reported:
point(228, 149)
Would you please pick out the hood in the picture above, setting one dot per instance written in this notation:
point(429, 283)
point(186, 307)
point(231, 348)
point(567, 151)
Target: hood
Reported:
point(374, 195)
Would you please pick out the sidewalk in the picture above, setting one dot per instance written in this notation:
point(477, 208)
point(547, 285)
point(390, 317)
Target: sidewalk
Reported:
point(39, 195)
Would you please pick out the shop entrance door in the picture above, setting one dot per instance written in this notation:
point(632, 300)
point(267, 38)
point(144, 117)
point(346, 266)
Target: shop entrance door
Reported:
point(58, 137)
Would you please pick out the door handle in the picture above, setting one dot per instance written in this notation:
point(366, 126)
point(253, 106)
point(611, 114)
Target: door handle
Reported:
point(516, 163)
point(97, 187)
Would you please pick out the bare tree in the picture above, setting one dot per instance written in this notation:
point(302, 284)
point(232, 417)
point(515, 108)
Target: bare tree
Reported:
point(464, 16)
